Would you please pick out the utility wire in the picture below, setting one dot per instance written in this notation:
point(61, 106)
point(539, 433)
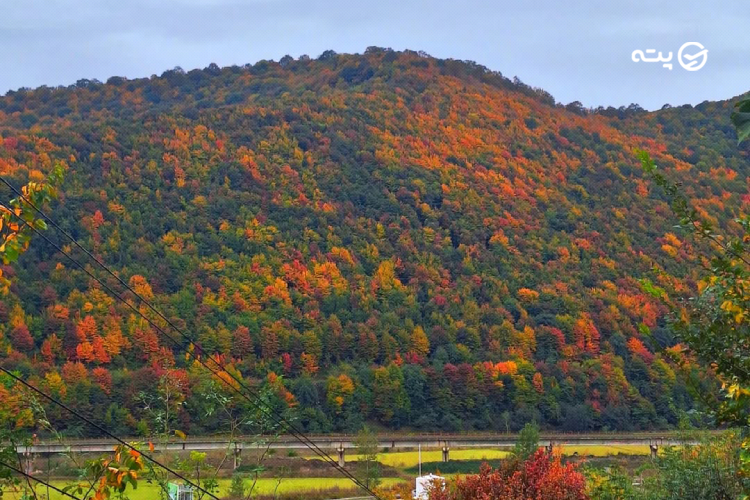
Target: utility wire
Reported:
point(103, 430)
point(262, 407)
point(45, 483)
point(20, 464)
point(299, 435)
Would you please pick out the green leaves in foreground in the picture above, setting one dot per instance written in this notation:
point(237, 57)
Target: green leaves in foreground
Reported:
point(19, 220)
point(741, 119)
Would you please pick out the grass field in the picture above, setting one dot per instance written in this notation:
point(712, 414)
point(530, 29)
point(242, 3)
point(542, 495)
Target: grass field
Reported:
point(606, 450)
point(402, 459)
point(405, 459)
point(265, 486)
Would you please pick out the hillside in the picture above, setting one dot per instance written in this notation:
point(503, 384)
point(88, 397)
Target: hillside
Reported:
point(388, 237)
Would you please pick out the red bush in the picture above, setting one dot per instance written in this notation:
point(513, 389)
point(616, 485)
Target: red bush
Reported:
point(541, 477)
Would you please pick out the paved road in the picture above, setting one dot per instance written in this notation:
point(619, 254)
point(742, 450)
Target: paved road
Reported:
point(333, 442)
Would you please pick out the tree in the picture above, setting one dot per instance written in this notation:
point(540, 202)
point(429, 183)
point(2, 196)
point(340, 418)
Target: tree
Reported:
point(368, 467)
point(103, 378)
point(390, 401)
point(309, 364)
point(237, 487)
point(21, 338)
point(741, 119)
point(338, 391)
point(528, 442)
point(542, 476)
point(719, 316)
point(201, 472)
point(715, 324)
point(19, 220)
point(85, 352)
point(86, 329)
point(710, 469)
point(242, 342)
point(509, 249)
point(51, 348)
point(419, 343)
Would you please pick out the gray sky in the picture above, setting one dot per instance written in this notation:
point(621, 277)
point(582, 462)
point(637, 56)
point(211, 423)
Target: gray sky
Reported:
point(576, 50)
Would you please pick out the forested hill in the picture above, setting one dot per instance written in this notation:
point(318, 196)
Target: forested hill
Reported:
point(388, 237)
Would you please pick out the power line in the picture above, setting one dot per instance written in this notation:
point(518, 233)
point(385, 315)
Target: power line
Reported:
point(103, 430)
point(45, 483)
point(20, 464)
point(299, 435)
point(265, 409)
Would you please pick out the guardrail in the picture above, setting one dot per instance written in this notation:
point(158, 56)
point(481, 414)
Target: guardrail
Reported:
point(422, 436)
point(347, 442)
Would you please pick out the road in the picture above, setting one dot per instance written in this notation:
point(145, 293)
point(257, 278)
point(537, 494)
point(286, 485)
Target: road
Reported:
point(334, 442)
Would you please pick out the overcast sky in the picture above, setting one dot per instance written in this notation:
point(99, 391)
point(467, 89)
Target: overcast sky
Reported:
point(577, 50)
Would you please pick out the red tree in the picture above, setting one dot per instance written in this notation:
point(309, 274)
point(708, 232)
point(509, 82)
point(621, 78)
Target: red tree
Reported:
point(51, 348)
point(542, 476)
point(242, 342)
point(21, 338)
point(103, 378)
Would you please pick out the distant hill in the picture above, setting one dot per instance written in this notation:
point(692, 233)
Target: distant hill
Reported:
point(389, 237)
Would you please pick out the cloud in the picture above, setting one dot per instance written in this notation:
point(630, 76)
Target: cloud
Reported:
point(577, 50)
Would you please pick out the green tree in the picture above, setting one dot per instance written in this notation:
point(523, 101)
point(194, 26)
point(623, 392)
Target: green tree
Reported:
point(710, 470)
point(741, 119)
point(528, 442)
point(368, 467)
point(610, 485)
point(390, 401)
point(237, 487)
point(715, 323)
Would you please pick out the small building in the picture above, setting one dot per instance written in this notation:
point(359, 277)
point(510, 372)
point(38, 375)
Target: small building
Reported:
point(425, 483)
point(179, 491)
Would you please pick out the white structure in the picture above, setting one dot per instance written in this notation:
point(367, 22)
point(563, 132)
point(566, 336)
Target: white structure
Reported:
point(425, 483)
point(179, 492)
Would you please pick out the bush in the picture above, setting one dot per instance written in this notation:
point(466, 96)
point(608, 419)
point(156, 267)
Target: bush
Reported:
point(237, 486)
point(541, 476)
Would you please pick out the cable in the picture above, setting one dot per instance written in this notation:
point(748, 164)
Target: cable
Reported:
point(290, 427)
point(299, 435)
point(100, 428)
point(29, 476)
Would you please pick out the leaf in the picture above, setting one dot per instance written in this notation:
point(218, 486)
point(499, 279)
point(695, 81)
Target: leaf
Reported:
point(150, 446)
point(180, 434)
point(741, 119)
point(10, 254)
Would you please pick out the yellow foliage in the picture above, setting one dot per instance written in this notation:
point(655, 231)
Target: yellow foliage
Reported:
point(527, 295)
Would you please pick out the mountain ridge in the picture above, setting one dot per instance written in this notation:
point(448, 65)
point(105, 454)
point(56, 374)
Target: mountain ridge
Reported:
point(415, 242)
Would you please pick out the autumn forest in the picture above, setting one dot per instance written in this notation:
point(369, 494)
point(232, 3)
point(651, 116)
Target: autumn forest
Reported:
point(385, 238)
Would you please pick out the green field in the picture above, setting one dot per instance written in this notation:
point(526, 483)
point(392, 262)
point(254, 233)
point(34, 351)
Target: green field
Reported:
point(265, 486)
point(404, 459)
point(606, 450)
point(400, 460)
